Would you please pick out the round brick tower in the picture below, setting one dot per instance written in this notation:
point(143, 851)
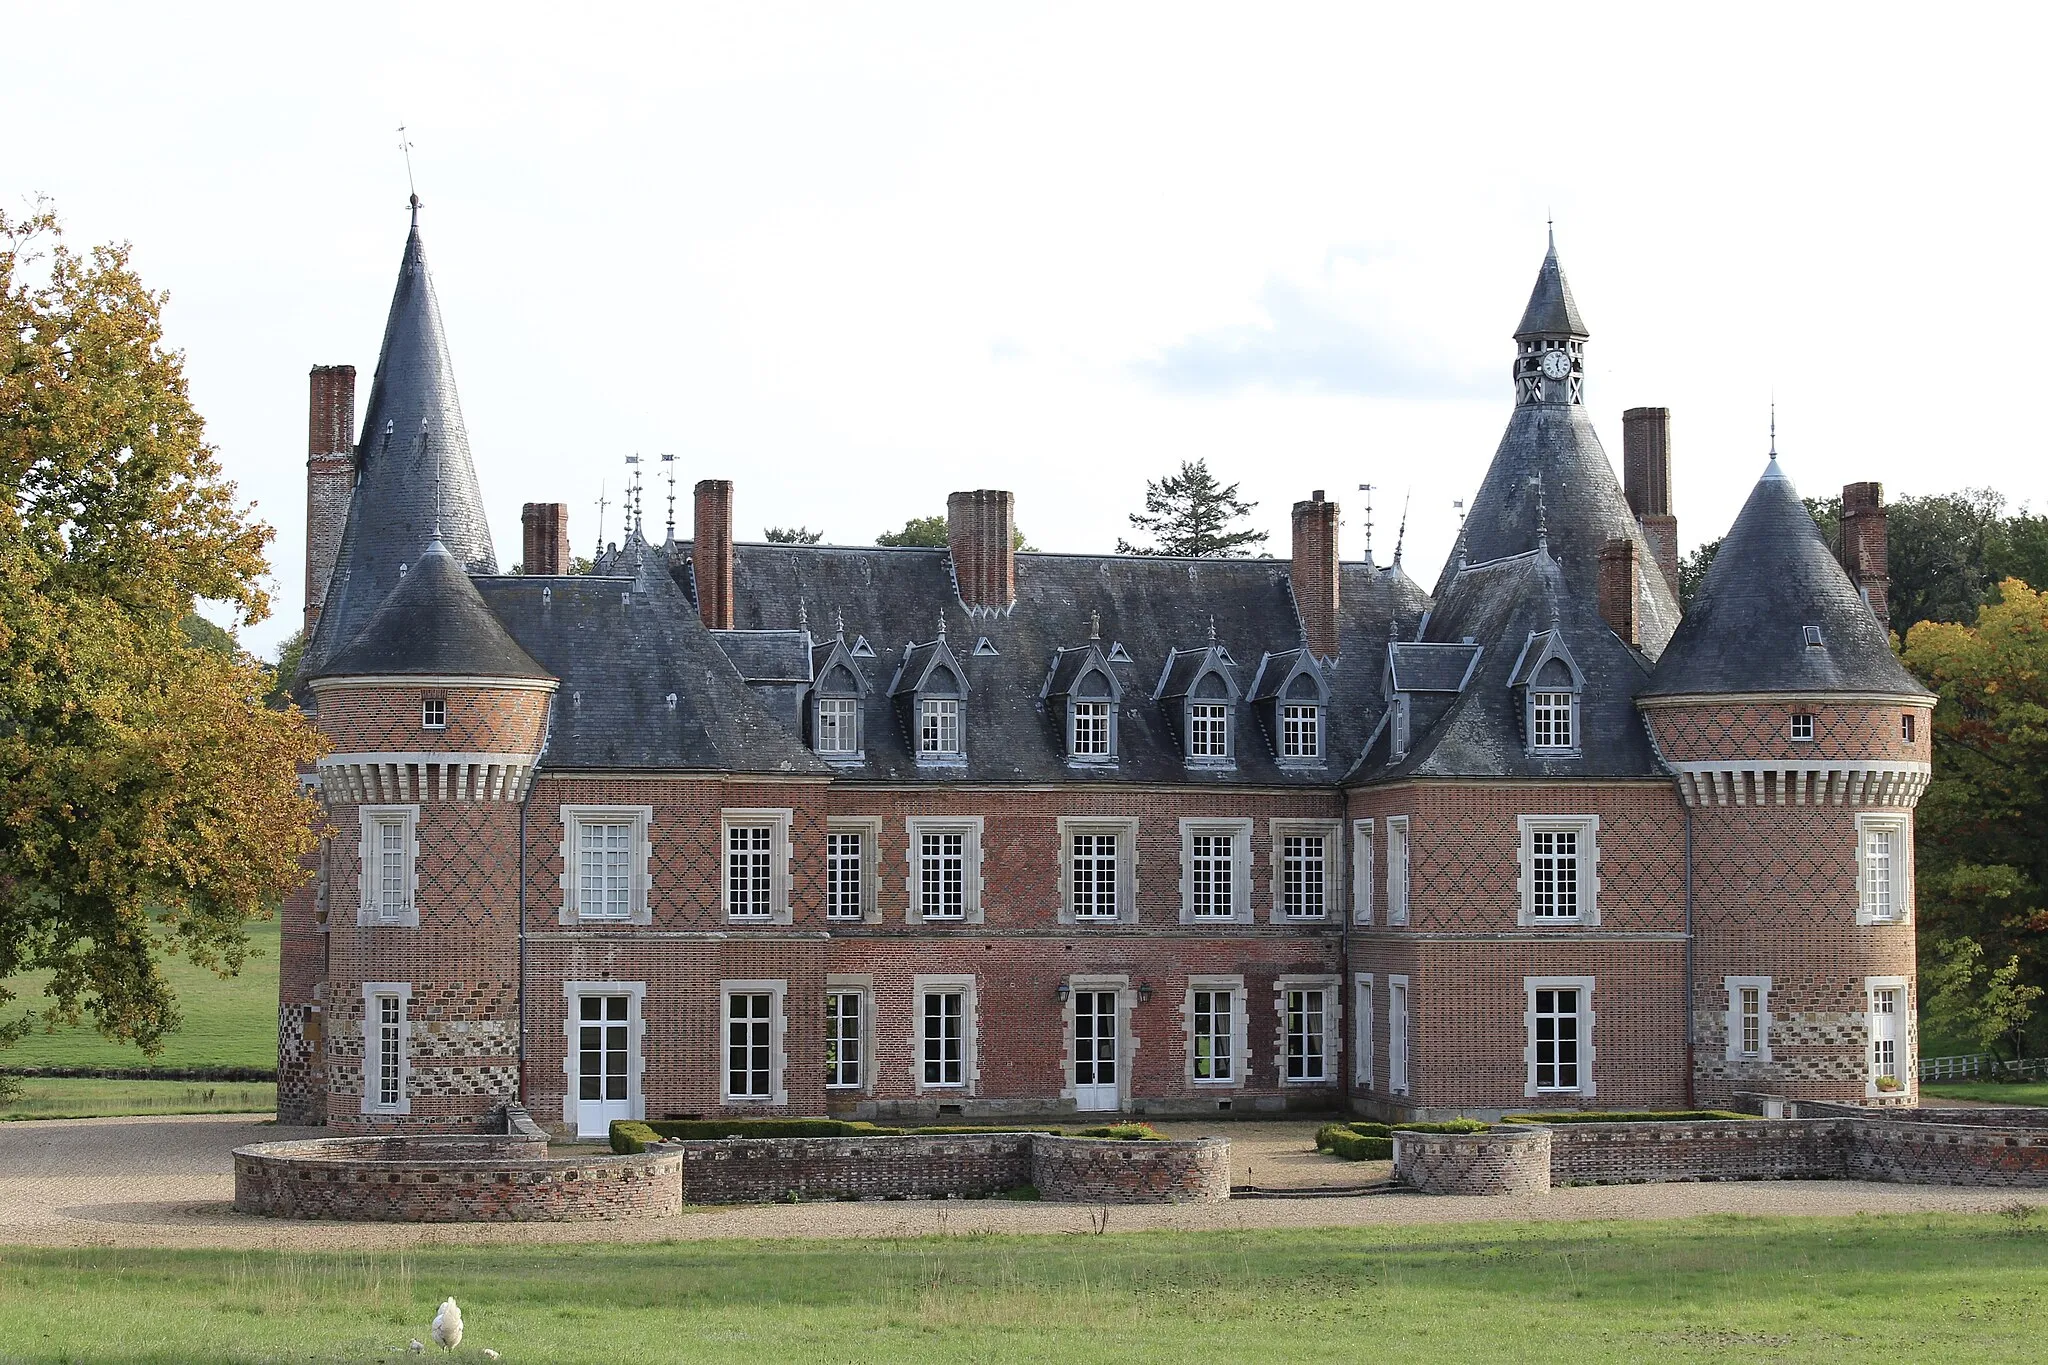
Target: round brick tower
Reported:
point(1800, 746)
point(437, 718)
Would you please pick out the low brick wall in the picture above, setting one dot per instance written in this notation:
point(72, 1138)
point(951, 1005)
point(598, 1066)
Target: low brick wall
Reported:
point(1631, 1153)
point(1946, 1153)
point(1512, 1159)
point(758, 1170)
point(493, 1179)
point(1104, 1171)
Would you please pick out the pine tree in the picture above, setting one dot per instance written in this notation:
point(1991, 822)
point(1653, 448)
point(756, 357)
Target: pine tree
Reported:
point(1190, 515)
point(793, 535)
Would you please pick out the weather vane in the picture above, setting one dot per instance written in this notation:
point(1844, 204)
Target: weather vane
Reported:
point(1366, 488)
point(405, 146)
point(670, 461)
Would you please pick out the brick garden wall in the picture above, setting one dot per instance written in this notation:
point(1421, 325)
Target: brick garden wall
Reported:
point(761, 1170)
point(1504, 1161)
point(482, 1180)
point(1095, 1171)
point(1628, 1153)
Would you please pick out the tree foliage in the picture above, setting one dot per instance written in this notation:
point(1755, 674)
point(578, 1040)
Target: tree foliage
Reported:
point(1188, 513)
point(793, 535)
point(1964, 998)
point(930, 533)
point(148, 801)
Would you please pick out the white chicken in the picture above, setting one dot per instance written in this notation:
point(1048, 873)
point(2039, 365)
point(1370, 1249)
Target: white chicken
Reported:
point(448, 1326)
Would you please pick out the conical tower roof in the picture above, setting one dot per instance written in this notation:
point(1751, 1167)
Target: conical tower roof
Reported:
point(1552, 311)
point(434, 623)
point(414, 477)
point(1747, 629)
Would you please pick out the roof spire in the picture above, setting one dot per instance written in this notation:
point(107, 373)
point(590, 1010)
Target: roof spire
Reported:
point(1401, 536)
point(1771, 470)
point(1552, 312)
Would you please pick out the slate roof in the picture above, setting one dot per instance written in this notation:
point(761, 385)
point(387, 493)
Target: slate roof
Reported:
point(412, 434)
point(434, 622)
point(1772, 577)
point(1552, 311)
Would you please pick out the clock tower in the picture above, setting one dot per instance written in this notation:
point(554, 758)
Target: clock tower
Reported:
point(1550, 343)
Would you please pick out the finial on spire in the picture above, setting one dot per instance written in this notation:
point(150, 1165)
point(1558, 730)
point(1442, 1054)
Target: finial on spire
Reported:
point(1458, 506)
point(1366, 489)
point(1212, 628)
point(1401, 536)
point(1095, 625)
point(670, 461)
point(405, 147)
point(1774, 427)
point(942, 623)
point(602, 503)
point(839, 626)
point(803, 616)
point(1550, 226)
point(1542, 521)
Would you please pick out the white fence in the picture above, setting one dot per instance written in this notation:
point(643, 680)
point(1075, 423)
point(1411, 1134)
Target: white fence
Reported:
point(1980, 1064)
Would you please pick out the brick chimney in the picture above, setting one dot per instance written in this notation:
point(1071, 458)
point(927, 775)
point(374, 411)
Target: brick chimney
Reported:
point(1313, 574)
point(981, 535)
point(1646, 479)
point(546, 527)
point(711, 552)
point(330, 476)
point(1864, 551)
point(1620, 586)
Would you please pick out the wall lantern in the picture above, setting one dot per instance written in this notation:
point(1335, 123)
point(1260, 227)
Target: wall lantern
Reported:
point(1144, 992)
point(1061, 992)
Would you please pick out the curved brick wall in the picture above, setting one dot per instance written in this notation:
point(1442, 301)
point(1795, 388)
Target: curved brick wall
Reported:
point(1512, 1160)
point(1106, 1171)
point(359, 718)
point(756, 1170)
point(450, 1180)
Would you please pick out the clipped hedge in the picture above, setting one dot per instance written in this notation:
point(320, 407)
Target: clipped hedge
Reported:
point(1358, 1147)
point(631, 1136)
point(1447, 1126)
point(1597, 1116)
point(1122, 1132)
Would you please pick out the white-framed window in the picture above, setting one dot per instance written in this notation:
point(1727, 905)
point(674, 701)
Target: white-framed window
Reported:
point(938, 727)
point(754, 1030)
point(1308, 872)
point(945, 869)
point(1397, 869)
point(1560, 857)
point(390, 863)
point(1088, 729)
point(1209, 730)
point(1301, 731)
point(1362, 871)
point(851, 844)
point(1552, 722)
point(1397, 1034)
point(1216, 873)
point(1361, 1015)
point(1216, 1035)
point(836, 728)
point(433, 713)
point(756, 865)
point(1098, 870)
point(1802, 725)
point(387, 1047)
point(1882, 848)
point(605, 856)
point(944, 1046)
point(1309, 1018)
point(1906, 726)
point(1886, 1020)
point(1559, 1018)
point(1749, 1018)
point(845, 1038)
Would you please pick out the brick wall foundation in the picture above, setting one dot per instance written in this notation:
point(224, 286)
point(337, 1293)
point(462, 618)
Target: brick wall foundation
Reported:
point(1504, 1161)
point(450, 1180)
point(1632, 1153)
point(760, 1170)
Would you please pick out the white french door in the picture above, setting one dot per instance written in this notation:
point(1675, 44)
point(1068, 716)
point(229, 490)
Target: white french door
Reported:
point(1884, 1034)
point(603, 1046)
point(1095, 1041)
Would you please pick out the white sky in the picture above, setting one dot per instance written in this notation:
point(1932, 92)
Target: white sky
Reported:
point(853, 257)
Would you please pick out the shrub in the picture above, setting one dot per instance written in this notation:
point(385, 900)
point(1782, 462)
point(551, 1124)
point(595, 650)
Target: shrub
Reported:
point(1447, 1126)
point(1357, 1147)
point(1327, 1135)
point(630, 1137)
point(701, 1130)
point(1122, 1132)
point(944, 1131)
point(1598, 1116)
point(1371, 1129)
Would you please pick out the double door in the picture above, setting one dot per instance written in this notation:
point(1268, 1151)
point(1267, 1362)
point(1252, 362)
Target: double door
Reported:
point(603, 1048)
point(1096, 1035)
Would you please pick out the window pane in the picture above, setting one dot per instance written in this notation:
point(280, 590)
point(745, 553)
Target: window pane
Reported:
point(750, 871)
point(1208, 730)
point(942, 874)
point(845, 886)
point(1092, 868)
point(1554, 867)
point(1302, 872)
point(1091, 728)
point(1212, 873)
point(838, 727)
point(1305, 1035)
point(939, 726)
point(1213, 1053)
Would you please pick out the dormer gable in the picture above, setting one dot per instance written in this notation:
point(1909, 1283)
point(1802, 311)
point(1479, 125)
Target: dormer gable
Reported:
point(834, 711)
point(1290, 694)
point(1199, 694)
point(930, 695)
point(1083, 695)
point(1548, 685)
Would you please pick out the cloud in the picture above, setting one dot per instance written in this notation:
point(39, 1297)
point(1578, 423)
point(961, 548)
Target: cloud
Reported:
point(1308, 341)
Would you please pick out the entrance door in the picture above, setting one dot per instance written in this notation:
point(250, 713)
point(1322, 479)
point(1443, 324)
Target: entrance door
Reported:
point(602, 1033)
point(1884, 1034)
point(1095, 1050)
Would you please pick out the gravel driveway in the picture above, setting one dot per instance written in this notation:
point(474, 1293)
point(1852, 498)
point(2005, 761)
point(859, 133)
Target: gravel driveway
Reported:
point(170, 1182)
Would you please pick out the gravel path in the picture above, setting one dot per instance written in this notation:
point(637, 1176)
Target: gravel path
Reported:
point(169, 1182)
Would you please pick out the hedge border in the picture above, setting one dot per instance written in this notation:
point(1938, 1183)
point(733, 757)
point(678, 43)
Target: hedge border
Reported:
point(1621, 1116)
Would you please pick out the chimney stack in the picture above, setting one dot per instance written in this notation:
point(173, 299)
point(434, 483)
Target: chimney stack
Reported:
point(1620, 587)
point(1313, 574)
point(981, 535)
point(546, 527)
point(711, 553)
point(1865, 553)
point(330, 476)
point(1646, 479)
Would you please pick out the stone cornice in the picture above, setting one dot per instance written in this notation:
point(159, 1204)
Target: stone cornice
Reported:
point(1802, 782)
point(425, 776)
point(1669, 702)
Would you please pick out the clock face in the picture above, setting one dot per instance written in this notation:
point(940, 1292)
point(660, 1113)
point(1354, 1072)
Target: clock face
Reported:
point(1556, 364)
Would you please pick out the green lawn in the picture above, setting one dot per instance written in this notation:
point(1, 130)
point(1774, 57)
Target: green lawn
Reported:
point(80, 1098)
point(228, 1022)
point(1991, 1092)
point(1924, 1287)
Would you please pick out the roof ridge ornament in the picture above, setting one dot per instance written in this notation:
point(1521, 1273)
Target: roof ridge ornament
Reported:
point(1401, 536)
point(1212, 628)
point(1095, 625)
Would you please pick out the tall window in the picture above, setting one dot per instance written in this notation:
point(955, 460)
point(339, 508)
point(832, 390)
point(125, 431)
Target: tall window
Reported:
point(1397, 869)
point(603, 883)
point(938, 726)
point(393, 895)
point(1301, 730)
point(842, 1040)
point(942, 874)
point(390, 1050)
point(1397, 1034)
point(1550, 720)
point(750, 871)
point(945, 1038)
point(1304, 870)
point(1305, 1060)
point(748, 1045)
point(1213, 1047)
point(1213, 871)
point(1092, 867)
point(1884, 1033)
point(845, 877)
point(1560, 855)
point(1208, 729)
point(1878, 845)
point(1555, 1018)
point(1906, 726)
point(1091, 729)
point(433, 713)
point(1363, 1011)
point(1554, 863)
point(1749, 1007)
point(838, 731)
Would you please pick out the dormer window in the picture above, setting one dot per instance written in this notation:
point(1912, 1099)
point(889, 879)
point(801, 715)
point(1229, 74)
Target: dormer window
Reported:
point(433, 713)
point(930, 692)
point(1090, 729)
point(1301, 730)
point(1551, 727)
point(1081, 695)
point(836, 710)
point(1551, 687)
point(938, 727)
point(838, 727)
point(1200, 697)
point(1208, 729)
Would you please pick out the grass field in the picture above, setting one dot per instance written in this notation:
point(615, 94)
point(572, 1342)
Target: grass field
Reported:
point(1990, 1092)
point(1920, 1288)
point(81, 1098)
point(228, 1022)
